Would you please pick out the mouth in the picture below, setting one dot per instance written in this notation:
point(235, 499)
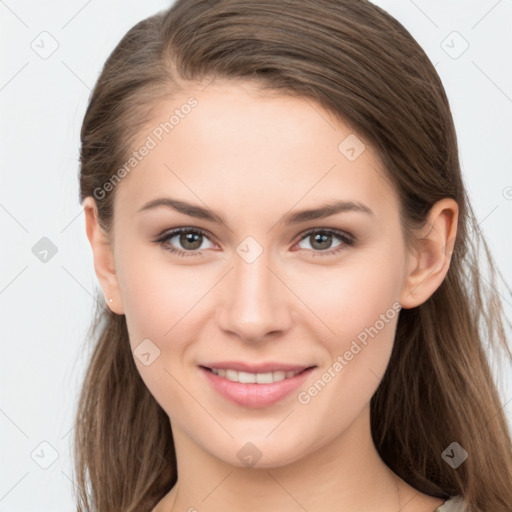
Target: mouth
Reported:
point(263, 387)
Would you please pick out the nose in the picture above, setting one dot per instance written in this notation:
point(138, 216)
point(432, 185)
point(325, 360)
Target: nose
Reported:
point(255, 300)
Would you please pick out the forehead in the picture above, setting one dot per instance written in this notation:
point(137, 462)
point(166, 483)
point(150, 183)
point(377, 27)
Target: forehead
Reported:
point(233, 145)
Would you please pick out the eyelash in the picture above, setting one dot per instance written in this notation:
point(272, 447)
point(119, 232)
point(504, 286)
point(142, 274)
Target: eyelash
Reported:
point(347, 240)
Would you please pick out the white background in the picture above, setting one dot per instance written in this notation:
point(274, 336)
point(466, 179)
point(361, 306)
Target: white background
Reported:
point(46, 308)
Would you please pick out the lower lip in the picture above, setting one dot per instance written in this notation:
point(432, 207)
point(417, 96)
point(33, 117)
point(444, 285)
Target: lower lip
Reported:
point(255, 395)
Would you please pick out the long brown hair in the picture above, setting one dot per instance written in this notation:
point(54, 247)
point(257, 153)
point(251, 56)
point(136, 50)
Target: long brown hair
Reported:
point(363, 66)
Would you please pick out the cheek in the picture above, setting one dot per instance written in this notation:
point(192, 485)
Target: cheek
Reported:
point(358, 306)
point(162, 303)
point(158, 301)
point(157, 295)
point(346, 299)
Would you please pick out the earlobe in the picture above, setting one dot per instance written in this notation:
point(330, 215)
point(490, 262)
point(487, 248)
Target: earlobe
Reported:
point(103, 257)
point(430, 262)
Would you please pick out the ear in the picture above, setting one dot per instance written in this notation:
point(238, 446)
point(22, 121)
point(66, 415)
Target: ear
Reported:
point(432, 252)
point(103, 256)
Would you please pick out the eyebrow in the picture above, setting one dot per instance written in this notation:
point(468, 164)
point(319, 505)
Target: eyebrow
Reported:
point(296, 217)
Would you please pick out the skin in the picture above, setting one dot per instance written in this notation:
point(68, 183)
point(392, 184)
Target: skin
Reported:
point(254, 157)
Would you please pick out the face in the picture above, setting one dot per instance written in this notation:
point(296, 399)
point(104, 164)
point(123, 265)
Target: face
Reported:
point(249, 283)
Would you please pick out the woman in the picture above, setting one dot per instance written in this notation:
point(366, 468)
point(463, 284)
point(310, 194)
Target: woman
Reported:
point(295, 314)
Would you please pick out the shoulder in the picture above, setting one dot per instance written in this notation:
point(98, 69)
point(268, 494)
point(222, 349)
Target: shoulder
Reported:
point(454, 504)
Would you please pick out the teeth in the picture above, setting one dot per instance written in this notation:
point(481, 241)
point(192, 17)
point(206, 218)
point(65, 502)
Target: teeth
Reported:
point(254, 378)
point(265, 378)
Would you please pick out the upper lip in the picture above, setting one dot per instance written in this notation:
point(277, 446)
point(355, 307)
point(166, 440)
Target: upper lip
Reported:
point(256, 368)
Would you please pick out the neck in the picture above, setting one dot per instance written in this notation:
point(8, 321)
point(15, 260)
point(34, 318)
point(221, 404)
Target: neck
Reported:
point(346, 473)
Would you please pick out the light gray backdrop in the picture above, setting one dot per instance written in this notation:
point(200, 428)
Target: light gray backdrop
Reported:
point(52, 53)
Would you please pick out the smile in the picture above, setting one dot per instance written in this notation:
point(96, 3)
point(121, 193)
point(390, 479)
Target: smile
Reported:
point(254, 390)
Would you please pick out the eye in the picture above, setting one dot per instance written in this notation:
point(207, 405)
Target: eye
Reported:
point(321, 239)
point(190, 239)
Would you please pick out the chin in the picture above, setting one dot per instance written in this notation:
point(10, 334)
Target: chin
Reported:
point(261, 453)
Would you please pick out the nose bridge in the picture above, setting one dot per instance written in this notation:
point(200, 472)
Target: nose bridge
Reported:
point(255, 304)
